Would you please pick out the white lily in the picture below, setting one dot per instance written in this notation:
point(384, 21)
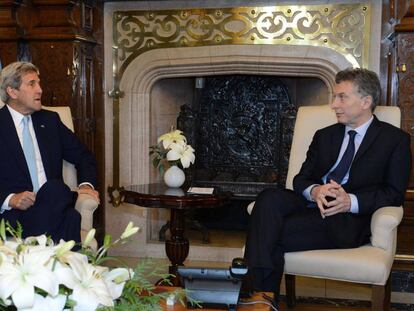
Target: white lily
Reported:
point(27, 271)
point(89, 237)
point(63, 248)
point(7, 252)
point(41, 240)
point(11, 245)
point(115, 280)
point(48, 303)
point(89, 288)
point(182, 152)
point(129, 230)
point(172, 137)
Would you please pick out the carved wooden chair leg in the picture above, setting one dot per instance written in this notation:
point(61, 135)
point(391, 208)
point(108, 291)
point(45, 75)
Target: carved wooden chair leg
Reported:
point(197, 225)
point(381, 296)
point(290, 290)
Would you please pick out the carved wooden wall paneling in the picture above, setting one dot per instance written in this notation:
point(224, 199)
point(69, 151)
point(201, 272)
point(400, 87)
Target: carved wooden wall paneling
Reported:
point(9, 31)
point(73, 63)
point(8, 52)
point(98, 107)
point(405, 243)
point(405, 76)
point(85, 108)
point(392, 12)
point(56, 59)
point(397, 77)
point(9, 25)
point(405, 99)
point(60, 19)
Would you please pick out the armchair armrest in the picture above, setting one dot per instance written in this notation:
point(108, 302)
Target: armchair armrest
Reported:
point(383, 222)
point(86, 205)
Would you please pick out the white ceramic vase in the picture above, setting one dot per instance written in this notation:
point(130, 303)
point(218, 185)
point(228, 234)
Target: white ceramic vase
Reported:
point(174, 177)
point(176, 192)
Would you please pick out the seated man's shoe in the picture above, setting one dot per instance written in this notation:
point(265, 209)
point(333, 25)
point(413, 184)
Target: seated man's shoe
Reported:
point(273, 302)
point(275, 305)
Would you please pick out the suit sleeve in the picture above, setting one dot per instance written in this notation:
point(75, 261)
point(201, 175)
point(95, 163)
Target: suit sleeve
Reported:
point(308, 174)
point(391, 191)
point(76, 153)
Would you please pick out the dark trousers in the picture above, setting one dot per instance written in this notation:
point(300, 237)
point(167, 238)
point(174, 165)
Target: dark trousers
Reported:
point(53, 213)
point(281, 222)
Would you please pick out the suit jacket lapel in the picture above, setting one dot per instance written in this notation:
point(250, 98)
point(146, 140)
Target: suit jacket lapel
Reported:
point(370, 135)
point(10, 138)
point(336, 143)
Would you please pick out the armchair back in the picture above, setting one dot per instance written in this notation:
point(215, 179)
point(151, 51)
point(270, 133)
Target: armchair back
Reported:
point(69, 170)
point(85, 204)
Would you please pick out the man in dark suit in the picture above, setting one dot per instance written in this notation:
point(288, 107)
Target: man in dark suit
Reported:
point(352, 168)
point(33, 144)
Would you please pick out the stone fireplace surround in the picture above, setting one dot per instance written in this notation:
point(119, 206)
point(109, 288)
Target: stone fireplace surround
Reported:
point(137, 130)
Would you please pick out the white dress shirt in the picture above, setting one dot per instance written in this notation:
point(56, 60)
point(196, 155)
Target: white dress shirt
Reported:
point(41, 175)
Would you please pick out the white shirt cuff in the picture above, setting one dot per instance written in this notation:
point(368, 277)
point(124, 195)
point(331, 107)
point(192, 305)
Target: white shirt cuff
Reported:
point(307, 192)
point(5, 206)
point(86, 183)
point(354, 204)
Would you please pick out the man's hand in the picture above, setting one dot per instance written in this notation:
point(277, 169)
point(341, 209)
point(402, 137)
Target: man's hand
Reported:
point(85, 189)
point(320, 193)
point(340, 200)
point(22, 200)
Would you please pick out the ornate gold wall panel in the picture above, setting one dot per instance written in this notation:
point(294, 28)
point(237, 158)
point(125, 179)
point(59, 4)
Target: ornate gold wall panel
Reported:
point(341, 27)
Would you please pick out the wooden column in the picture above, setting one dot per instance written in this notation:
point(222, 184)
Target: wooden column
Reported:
point(397, 78)
point(10, 30)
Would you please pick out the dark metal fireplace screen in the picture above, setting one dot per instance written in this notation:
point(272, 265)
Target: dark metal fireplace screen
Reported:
point(241, 128)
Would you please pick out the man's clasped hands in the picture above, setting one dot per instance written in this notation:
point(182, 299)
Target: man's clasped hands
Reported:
point(331, 198)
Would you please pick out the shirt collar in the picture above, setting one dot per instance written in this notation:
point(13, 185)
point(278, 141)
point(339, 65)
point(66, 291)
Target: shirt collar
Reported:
point(362, 129)
point(16, 116)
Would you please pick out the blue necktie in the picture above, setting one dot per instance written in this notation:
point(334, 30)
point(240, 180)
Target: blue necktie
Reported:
point(343, 166)
point(29, 153)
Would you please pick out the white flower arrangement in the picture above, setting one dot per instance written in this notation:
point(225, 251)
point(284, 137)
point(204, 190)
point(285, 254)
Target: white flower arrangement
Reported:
point(172, 149)
point(37, 275)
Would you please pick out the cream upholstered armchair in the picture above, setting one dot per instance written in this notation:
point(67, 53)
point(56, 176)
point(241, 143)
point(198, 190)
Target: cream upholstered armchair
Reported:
point(85, 204)
point(368, 264)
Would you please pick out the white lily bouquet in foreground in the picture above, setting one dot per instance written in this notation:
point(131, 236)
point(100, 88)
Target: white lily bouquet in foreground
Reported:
point(172, 149)
point(37, 275)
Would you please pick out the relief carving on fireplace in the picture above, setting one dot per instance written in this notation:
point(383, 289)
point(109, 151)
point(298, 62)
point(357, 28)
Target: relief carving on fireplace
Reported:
point(242, 131)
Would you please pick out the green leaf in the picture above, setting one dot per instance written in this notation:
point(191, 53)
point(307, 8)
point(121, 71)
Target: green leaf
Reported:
point(155, 162)
point(19, 230)
point(107, 240)
point(3, 230)
point(161, 169)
